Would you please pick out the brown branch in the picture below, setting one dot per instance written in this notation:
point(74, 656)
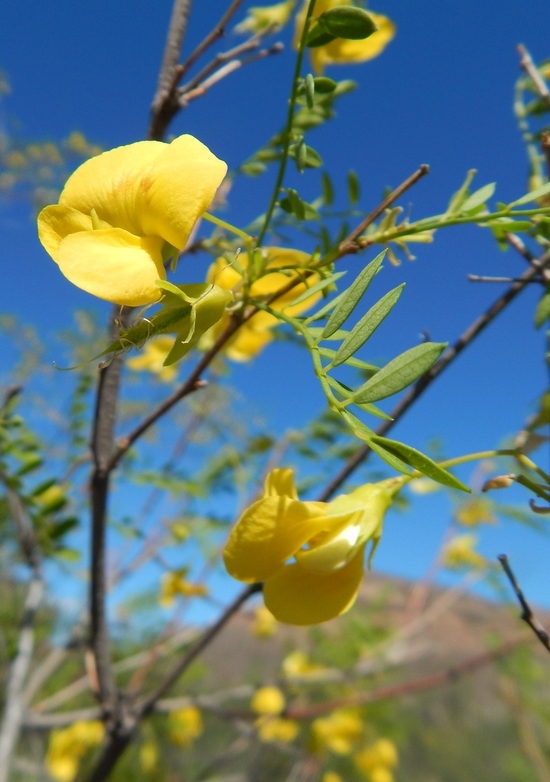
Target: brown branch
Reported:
point(426, 380)
point(119, 740)
point(164, 103)
point(349, 243)
point(230, 67)
point(217, 32)
point(408, 688)
point(102, 448)
point(527, 613)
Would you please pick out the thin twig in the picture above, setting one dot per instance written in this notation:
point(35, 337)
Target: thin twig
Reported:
point(407, 688)
point(14, 700)
point(349, 244)
point(483, 278)
point(527, 613)
point(226, 70)
point(426, 380)
point(217, 32)
point(532, 71)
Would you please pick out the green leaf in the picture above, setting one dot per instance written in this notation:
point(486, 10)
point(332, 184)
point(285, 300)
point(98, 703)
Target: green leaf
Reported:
point(354, 188)
point(400, 372)
point(319, 286)
point(367, 326)
point(253, 168)
point(296, 203)
point(317, 333)
point(165, 320)
point(309, 89)
point(352, 362)
point(328, 190)
point(306, 157)
point(542, 312)
point(389, 457)
point(349, 299)
point(318, 36)
point(461, 194)
point(532, 196)
point(420, 462)
point(324, 85)
point(478, 198)
point(347, 21)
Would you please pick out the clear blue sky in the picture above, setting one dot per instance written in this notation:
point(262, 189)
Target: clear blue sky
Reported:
point(440, 94)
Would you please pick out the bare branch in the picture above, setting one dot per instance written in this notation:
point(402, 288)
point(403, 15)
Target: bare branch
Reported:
point(164, 106)
point(532, 71)
point(349, 244)
point(15, 702)
point(527, 613)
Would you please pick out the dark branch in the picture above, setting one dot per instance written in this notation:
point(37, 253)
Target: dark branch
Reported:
point(527, 614)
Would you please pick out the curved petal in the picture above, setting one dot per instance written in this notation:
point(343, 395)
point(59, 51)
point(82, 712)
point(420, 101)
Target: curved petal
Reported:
point(56, 222)
point(114, 265)
point(302, 597)
point(280, 483)
point(178, 188)
point(111, 183)
point(270, 532)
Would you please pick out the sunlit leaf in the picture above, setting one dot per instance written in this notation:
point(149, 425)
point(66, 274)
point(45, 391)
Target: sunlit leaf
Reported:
point(478, 198)
point(400, 372)
point(367, 326)
point(419, 461)
point(352, 296)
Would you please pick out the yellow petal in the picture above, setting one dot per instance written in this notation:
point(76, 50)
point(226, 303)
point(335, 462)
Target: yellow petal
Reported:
point(180, 186)
point(56, 222)
point(248, 343)
point(280, 483)
point(268, 533)
point(113, 265)
point(298, 596)
point(111, 184)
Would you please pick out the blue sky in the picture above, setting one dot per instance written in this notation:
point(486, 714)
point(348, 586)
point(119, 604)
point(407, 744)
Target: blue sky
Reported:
point(441, 94)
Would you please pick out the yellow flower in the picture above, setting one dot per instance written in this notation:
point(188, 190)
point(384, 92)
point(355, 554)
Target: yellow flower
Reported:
point(332, 776)
point(277, 729)
point(338, 732)
point(475, 511)
point(67, 746)
point(175, 583)
point(265, 624)
point(255, 334)
point(380, 755)
point(381, 774)
point(120, 210)
point(342, 51)
point(268, 701)
point(297, 665)
point(185, 725)
point(152, 357)
point(259, 18)
point(327, 540)
point(460, 553)
point(148, 756)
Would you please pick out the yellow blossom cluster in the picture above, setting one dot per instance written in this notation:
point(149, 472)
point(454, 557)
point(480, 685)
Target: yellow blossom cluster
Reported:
point(184, 726)
point(460, 553)
point(339, 732)
point(265, 624)
point(175, 583)
point(281, 266)
point(378, 761)
point(151, 359)
point(67, 747)
point(269, 703)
